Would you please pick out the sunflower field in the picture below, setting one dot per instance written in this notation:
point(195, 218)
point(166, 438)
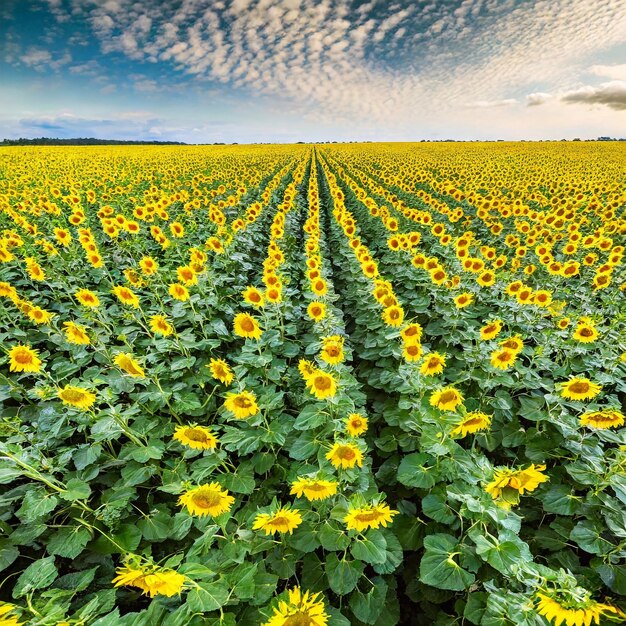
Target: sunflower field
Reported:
point(313, 385)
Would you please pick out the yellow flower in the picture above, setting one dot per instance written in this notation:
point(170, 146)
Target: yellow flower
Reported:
point(253, 296)
point(221, 371)
point(77, 397)
point(542, 298)
point(585, 333)
point(574, 611)
point(242, 404)
point(412, 352)
point(491, 330)
point(148, 265)
point(463, 300)
point(579, 389)
point(608, 418)
point(303, 609)
point(332, 350)
point(509, 484)
point(160, 326)
point(393, 316)
point(503, 359)
point(76, 333)
point(209, 499)
point(316, 311)
point(246, 326)
point(24, 359)
point(313, 489)
point(356, 424)
point(283, 521)
point(126, 296)
point(411, 334)
point(5, 618)
point(345, 455)
point(87, 298)
point(471, 423)
point(186, 275)
point(372, 516)
point(152, 581)
point(39, 315)
point(128, 364)
point(306, 368)
point(196, 437)
point(321, 384)
point(514, 344)
point(433, 364)
point(179, 292)
point(446, 399)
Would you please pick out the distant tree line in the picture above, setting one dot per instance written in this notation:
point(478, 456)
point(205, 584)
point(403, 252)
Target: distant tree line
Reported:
point(84, 141)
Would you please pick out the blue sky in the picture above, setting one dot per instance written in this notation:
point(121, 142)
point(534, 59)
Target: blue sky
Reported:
point(314, 70)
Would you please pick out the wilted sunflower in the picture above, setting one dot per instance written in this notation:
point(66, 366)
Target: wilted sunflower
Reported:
point(303, 609)
point(209, 499)
point(313, 488)
point(574, 611)
point(509, 484)
point(446, 399)
point(321, 384)
point(577, 388)
point(76, 334)
point(221, 371)
point(472, 423)
point(128, 364)
point(356, 424)
point(345, 455)
point(24, 359)
point(246, 326)
point(160, 326)
point(196, 437)
point(503, 359)
point(76, 397)
point(491, 330)
point(242, 404)
point(285, 520)
point(372, 516)
point(433, 364)
point(152, 580)
point(607, 418)
point(316, 311)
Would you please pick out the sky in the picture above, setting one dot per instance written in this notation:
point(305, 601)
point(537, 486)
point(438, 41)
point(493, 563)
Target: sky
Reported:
point(204, 71)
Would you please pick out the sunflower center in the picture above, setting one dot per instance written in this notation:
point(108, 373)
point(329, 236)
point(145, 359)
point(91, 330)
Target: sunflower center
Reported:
point(206, 500)
point(346, 453)
point(505, 357)
point(23, 358)
point(195, 434)
point(315, 487)
point(280, 521)
point(247, 325)
point(322, 383)
point(586, 332)
point(242, 402)
point(73, 395)
point(316, 311)
point(473, 421)
point(332, 351)
point(370, 516)
point(298, 619)
point(580, 386)
point(447, 396)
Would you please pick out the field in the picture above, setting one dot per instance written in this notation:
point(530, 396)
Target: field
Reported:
point(305, 385)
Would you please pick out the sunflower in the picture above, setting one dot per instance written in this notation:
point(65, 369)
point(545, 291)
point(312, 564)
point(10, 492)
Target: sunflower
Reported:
point(472, 422)
point(196, 437)
point(321, 384)
point(302, 609)
point(152, 581)
point(148, 266)
point(313, 488)
point(24, 359)
point(577, 388)
point(39, 315)
point(5, 618)
point(306, 368)
point(411, 334)
point(160, 326)
point(253, 296)
point(316, 311)
point(509, 484)
point(209, 499)
point(463, 300)
point(356, 424)
point(221, 371)
point(186, 275)
point(246, 326)
point(242, 405)
point(179, 292)
point(563, 323)
point(75, 333)
point(371, 516)
point(345, 455)
point(412, 352)
point(574, 611)
point(491, 330)
point(128, 364)
point(608, 418)
point(433, 364)
point(503, 359)
point(319, 287)
point(486, 278)
point(126, 296)
point(585, 333)
point(76, 397)
point(332, 350)
point(446, 399)
point(393, 316)
point(514, 344)
point(284, 520)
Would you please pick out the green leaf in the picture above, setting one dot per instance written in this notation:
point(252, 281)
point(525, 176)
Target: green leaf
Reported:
point(332, 537)
point(614, 577)
point(8, 553)
point(69, 542)
point(587, 536)
point(310, 417)
point(76, 490)
point(208, 596)
point(438, 567)
point(367, 607)
point(560, 500)
point(36, 504)
point(38, 575)
point(371, 548)
point(414, 471)
point(500, 555)
point(343, 575)
point(435, 506)
point(241, 481)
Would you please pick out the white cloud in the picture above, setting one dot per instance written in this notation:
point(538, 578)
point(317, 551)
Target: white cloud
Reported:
point(612, 95)
point(614, 72)
point(537, 98)
point(489, 104)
